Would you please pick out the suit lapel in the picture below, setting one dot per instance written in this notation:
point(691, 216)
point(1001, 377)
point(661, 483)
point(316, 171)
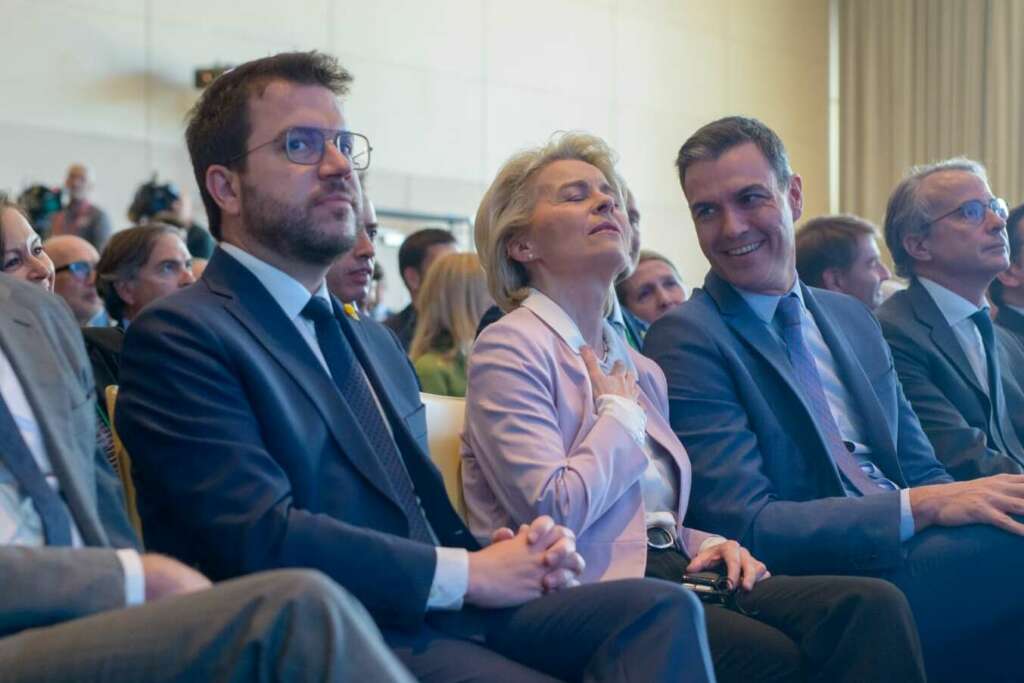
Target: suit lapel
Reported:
point(26, 346)
point(248, 301)
point(1011, 320)
point(926, 310)
point(851, 374)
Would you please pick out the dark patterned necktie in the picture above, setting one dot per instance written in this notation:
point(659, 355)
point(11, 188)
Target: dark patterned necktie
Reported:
point(353, 385)
point(19, 461)
point(807, 377)
point(988, 339)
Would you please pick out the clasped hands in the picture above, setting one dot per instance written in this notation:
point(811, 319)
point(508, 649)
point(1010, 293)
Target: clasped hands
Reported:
point(519, 566)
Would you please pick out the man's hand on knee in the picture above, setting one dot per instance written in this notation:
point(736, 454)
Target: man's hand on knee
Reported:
point(991, 500)
point(165, 576)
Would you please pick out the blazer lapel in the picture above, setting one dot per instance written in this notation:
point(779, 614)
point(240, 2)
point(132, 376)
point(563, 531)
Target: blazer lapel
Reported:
point(27, 347)
point(926, 310)
point(1011, 320)
point(248, 301)
point(851, 373)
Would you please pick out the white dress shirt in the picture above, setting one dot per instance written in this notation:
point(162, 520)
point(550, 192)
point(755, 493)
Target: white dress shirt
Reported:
point(20, 523)
point(958, 311)
point(451, 578)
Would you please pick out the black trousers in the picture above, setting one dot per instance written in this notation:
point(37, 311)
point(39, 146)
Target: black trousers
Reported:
point(813, 628)
point(629, 630)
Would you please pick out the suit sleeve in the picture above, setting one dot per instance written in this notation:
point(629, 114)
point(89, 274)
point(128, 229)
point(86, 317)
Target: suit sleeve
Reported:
point(186, 416)
point(47, 586)
point(714, 414)
point(512, 428)
point(963, 449)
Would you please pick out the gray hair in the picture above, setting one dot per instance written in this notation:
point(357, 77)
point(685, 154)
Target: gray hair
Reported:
point(907, 213)
point(506, 207)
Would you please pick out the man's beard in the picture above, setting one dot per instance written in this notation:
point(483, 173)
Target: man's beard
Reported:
point(292, 232)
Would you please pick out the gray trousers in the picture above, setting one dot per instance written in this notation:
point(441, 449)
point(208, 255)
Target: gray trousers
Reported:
point(293, 625)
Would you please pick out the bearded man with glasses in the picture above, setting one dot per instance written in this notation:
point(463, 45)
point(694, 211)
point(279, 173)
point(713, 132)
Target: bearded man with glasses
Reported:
point(947, 233)
point(74, 262)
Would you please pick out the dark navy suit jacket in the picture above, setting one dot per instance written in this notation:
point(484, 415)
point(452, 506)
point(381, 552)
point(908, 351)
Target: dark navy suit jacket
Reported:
point(761, 471)
point(247, 457)
point(955, 411)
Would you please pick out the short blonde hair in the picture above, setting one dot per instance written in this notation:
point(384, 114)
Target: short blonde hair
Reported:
point(449, 306)
point(508, 203)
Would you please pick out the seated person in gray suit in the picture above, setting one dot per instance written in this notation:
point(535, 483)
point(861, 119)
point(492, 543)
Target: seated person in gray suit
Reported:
point(1007, 290)
point(947, 233)
point(73, 608)
point(802, 444)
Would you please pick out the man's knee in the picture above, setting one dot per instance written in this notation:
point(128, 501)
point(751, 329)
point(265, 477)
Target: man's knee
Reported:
point(668, 600)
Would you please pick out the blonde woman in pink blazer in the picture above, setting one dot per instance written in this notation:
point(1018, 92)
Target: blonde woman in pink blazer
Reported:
point(563, 418)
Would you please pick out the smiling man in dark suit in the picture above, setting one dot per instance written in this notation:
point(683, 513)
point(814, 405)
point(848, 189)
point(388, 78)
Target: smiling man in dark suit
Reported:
point(269, 429)
point(803, 445)
point(947, 233)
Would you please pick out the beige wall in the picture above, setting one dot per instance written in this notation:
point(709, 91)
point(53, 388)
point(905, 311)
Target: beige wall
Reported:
point(445, 89)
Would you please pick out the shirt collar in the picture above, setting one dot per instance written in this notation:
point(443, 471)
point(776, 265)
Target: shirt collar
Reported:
point(565, 327)
point(288, 292)
point(764, 305)
point(954, 308)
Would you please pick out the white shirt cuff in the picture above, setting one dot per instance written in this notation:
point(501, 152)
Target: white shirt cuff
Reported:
point(134, 577)
point(711, 543)
point(451, 579)
point(906, 516)
point(628, 413)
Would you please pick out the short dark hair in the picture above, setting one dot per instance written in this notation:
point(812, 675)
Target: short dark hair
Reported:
point(219, 125)
point(717, 137)
point(829, 242)
point(414, 249)
point(125, 254)
point(1014, 226)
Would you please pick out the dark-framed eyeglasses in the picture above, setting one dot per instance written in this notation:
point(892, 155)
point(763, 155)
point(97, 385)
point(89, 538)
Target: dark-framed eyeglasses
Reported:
point(80, 270)
point(306, 145)
point(972, 211)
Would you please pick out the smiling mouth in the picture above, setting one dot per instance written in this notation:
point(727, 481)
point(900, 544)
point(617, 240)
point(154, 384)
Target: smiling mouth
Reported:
point(745, 249)
point(606, 227)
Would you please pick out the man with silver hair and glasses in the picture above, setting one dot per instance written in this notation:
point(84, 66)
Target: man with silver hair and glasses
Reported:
point(947, 233)
point(803, 445)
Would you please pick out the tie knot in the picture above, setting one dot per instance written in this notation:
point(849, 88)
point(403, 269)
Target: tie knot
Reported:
point(984, 324)
point(789, 310)
point(317, 309)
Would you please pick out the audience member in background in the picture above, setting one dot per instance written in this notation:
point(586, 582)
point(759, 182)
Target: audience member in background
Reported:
point(21, 249)
point(840, 253)
point(80, 217)
point(74, 261)
point(351, 275)
point(80, 603)
point(600, 457)
point(1007, 290)
point(947, 233)
point(375, 306)
point(139, 265)
point(281, 432)
point(653, 289)
point(417, 253)
point(166, 203)
point(449, 305)
point(802, 443)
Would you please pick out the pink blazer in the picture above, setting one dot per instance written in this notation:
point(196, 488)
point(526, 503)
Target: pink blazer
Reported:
point(533, 444)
